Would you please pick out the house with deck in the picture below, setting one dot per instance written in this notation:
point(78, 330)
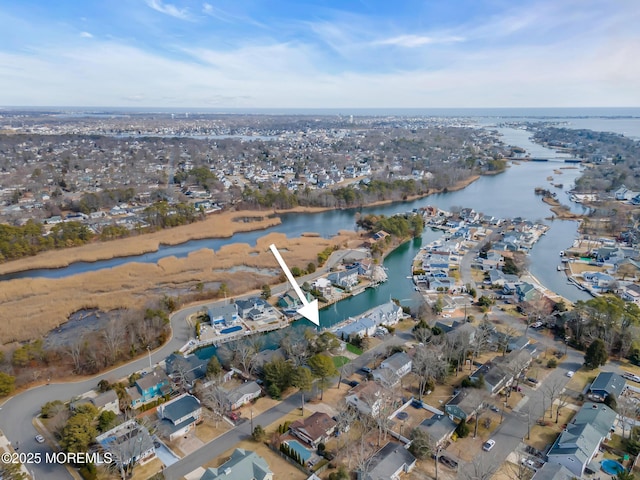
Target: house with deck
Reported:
point(129, 443)
point(314, 429)
point(390, 462)
point(580, 441)
point(149, 387)
point(242, 465)
point(606, 384)
point(179, 416)
point(224, 315)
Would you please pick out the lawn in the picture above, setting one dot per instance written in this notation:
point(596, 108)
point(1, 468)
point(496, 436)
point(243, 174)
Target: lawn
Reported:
point(543, 436)
point(339, 361)
point(353, 349)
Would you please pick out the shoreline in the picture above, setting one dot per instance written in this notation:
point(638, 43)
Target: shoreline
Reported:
point(226, 224)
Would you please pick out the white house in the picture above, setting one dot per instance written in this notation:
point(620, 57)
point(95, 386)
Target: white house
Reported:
point(367, 398)
point(243, 394)
point(179, 416)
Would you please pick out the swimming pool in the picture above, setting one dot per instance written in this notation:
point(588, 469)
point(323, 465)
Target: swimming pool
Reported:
point(611, 467)
point(235, 328)
point(302, 451)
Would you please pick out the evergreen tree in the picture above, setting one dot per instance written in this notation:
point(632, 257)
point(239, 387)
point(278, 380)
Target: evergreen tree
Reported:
point(596, 354)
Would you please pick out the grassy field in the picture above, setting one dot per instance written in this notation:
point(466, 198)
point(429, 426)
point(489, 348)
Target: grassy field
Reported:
point(339, 361)
point(33, 307)
point(353, 349)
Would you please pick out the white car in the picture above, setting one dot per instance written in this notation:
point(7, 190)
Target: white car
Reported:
point(488, 445)
point(570, 373)
point(39, 439)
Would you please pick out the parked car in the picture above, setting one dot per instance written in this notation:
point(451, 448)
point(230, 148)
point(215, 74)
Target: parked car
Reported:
point(449, 462)
point(233, 416)
point(366, 370)
point(494, 408)
point(570, 373)
point(532, 380)
point(39, 439)
point(488, 445)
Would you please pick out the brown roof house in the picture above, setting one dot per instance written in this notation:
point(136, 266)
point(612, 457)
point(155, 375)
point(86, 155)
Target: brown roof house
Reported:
point(314, 429)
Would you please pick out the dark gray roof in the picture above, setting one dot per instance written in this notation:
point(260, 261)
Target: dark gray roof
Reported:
point(608, 382)
point(190, 367)
point(106, 397)
point(126, 441)
point(553, 471)
point(438, 427)
point(152, 379)
point(243, 465)
point(179, 408)
point(388, 460)
point(246, 388)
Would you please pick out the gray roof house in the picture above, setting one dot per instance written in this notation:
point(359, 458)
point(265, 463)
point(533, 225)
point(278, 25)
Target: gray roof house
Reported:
point(223, 314)
point(605, 384)
point(128, 442)
point(107, 401)
point(553, 472)
point(439, 427)
point(242, 465)
point(243, 394)
point(465, 403)
point(576, 446)
point(388, 463)
point(185, 370)
point(179, 416)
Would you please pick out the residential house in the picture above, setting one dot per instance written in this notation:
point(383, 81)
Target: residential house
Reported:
point(344, 278)
point(494, 261)
point(243, 394)
point(465, 404)
point(315, 429)
point(107, 401)
point(498, 277)
point(223, 314)
point(526, 292)
point(290, 302)
point(149, 387)
point(366, 397)
point(553, 471)
point(323, 285)
point(500, 372)
point(386, 314)
point(576, 446)
point(256, 308)
point(605, 384)
point(631, 293)
point(185, 370)
point(128, 443)
point(389, 463)
point(179, 416)
point(242, 465)
point(439, 427)
point(365, 327)
point(399, 363)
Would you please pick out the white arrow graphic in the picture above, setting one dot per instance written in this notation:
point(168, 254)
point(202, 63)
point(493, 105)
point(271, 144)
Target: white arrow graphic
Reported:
point(308, 310)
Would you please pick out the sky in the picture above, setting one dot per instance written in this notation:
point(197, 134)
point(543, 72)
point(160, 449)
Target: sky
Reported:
point(320, 54)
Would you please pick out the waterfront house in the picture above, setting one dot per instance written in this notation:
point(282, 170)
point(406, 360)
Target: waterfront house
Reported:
point(314, 429)
point(323, 285)
point(128, 443)
point(365, 327)
point(344, 278)
point(290, 302)
point(605, 384)
point(387, 314)
point(526, 292)
point(242, 465)
point(242, 395)
point(580, 441)
point(223, 315)
point(389, 463)
point(179, 416)
point(255, 309)
point(185, 370)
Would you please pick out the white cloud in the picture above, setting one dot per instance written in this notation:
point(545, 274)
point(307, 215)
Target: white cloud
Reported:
point(169, 9)
point(412, 41)
point(86, 35)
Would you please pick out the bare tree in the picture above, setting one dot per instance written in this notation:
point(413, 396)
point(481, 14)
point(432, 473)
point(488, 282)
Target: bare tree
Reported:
point(482, 467)
point(551, 390)
point(113, 337)
point(563, 399)
point(75, 351)
point(214, 399)
point(429, 368)
point(627, 412)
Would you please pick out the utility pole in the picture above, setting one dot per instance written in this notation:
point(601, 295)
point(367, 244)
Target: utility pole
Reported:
point(150, 365)
point(437, 455)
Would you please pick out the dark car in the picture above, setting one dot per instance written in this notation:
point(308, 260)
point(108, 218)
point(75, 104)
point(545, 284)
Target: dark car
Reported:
point(233, 416)
point(353, 383)
point(449, 462)
point(532, 380)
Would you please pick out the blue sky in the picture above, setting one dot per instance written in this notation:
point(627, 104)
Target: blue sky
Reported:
point(320, 54)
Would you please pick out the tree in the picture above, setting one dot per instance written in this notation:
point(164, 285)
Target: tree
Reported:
point(106, 420)
point(7, 384)
point(266, 292)
point(323, 368)
point(596, 354)
point(78, 433)
point(213, 367)
point(258, 433)
point(462, 430)
point(302, 379)
point(421, 443)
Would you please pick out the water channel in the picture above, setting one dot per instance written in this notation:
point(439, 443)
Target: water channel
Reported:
point(507, 195)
